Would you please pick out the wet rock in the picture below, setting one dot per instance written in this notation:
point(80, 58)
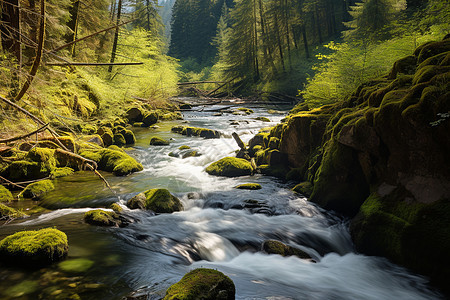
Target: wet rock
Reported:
point(134, 115)
point(157, 141)
point(277, 247)
point(156, 200)
point(119, 140)
point(254, 207)
point(100, 217)
point(305, 188)
point(185, 153)
point(129, 137)
point(34, 248)
point(263, 119)
point(230, 167)
point(249, 186)
point(196, 131)
point(118, 162)
point(186, 106)
point(77, 265)
point(7, 213)
point(150, 119)
point(203, 284)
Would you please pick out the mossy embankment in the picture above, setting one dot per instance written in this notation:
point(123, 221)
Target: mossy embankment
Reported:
point(380, 157)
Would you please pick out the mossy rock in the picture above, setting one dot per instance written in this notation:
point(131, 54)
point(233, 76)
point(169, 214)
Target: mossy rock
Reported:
point(116, 207)
point(186, 106)
point(5, 194)
point(134, 114)
point(61, 172)
point(129, 137)
point(201, 132)
point(37, 190)
point(88, 129)
point(138, 124)
point(45, 158)
point(137, 202)
point(162, 201)
point(185, 153)
point(34, 248)
point(119, 122)
point(7, 212)
point(274, 143)
point(263, 119)
point(107, 138)
point(230, 167)
point(157, 141)
point(23, 170)
point(119, 140)
point(203, 284)
point(245, 110)
point(119, 163)
point(177, 129)
point(279, 171)
point(76, 265)
point(184, 147)
point(100, 217)
point(150, 119)
point(305, 188)
point(249, 186)
point(277, 247)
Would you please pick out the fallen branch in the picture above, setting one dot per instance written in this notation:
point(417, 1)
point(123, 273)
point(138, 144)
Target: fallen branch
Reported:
point(239, 141)
point(25, 135)
point(12, 183)
point(88, 36)
point(199, 82)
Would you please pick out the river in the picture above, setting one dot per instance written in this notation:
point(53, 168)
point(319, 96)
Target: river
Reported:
point(221, 228)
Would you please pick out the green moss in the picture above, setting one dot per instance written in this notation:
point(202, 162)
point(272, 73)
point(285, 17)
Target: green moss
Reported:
point(249, 186)
point(263, 119)
point(129, 137)
point(119, 139)
point(7, 212)
point(277, 247)
point(162, 201)
point(184, 147)
point(138, 124)
point(274, 143)
point(245, 110)
point(196, 131)
point(45, 158)
point(5, 194)
point(107, 138)
point(137, 202)
point(157, 141)
point(61, 172)
point(37, 190)
point(119, 163)
point(22, 289)
point(203, 284)
point(116, 207)
point(77, 265)
point(88, 129)
point(100, 217)
point(304, 188)
point(150, 119)
point(230, 167)
point(38, 247)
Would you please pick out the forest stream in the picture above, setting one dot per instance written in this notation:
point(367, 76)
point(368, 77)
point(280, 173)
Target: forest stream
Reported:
point(221, 228)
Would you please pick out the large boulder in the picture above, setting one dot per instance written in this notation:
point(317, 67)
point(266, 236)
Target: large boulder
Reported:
point(5, 194)
point(156, 200)
point(203, 284)
point(230, 167)
point(134, 114)
point(37, 189)
point(157, 141)
point(35, 247)
point(150, 119)
point(101, 217)
point(115, 161)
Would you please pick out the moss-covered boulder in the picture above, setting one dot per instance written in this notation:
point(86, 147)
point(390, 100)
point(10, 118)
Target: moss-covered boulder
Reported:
point(119, 140)
point(305, 188)
point(34, 248)
point(277, 247)
point(100, 217)
point(157, 141)
point(184, 147)
point(5, 194)
point(129, 137)
point(156, 200)
point(263, 119)
point(196, 131)
point(243, 110)
point(7, 213)
point(61, 172)
point(116, 207)
point(134, 114)
point(150, 119)
point(37, 190)
point(76, 266)
point(230, 167)
point(117, 162)
point(249, 186)
point(185, 153)
point(203, 284)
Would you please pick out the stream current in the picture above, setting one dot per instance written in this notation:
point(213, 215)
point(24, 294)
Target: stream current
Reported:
point(221, 228)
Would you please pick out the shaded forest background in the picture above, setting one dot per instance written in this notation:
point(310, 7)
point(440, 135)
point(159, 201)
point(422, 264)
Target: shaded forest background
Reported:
point(318, 50)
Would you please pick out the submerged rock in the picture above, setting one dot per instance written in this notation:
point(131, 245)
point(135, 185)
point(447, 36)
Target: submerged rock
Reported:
point(249, 186)
point(157, 141)
point(230, 167)
point(100, 217)
point(203, 284)
point(185, 153)
point(7, 213)
point(34, 248)
point(277, 247)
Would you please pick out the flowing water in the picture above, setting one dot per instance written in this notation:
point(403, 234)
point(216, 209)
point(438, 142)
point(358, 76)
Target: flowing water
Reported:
point(221, 228)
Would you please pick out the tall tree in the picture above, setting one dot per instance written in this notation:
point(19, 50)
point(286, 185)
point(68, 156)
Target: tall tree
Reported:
point(10, 28)
point(116, 36)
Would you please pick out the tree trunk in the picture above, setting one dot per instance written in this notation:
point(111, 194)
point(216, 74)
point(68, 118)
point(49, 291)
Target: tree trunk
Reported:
point(10, 28)
point(305, 40)
point(280, 46)
point(319, 31)
point(116, 36)
point(255, 46)
point(73, 25)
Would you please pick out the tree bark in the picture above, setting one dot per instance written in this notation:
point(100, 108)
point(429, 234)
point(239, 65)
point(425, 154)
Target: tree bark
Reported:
point(10, 28)
point(73, 25)
point(116, 36)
